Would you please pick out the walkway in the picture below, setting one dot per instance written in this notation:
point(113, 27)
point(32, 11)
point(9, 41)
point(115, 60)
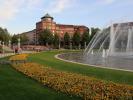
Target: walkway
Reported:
point(6, 54)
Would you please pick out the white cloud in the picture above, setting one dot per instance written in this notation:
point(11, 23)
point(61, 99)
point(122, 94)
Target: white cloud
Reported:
point(118, 2)
point(33, 3)
point(58, 6)
point(10, 8)
point(104, 2)
point(109, 1)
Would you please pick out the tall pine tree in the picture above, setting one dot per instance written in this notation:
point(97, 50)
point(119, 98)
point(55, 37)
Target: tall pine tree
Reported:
point(85, 39)
point(46, 37)
point(56, 41)
point(67, 40)
point(76, 39)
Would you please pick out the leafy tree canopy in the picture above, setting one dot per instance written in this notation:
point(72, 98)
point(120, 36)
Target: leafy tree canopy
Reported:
point(76, 38)
point(94, 31)
point(23, 38)
point(4, 35)
point(85, 37)
point(46, 37)
point(66, 39)
point(56, 41)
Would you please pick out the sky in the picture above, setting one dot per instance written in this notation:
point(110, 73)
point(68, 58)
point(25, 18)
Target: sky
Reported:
point(21, 15)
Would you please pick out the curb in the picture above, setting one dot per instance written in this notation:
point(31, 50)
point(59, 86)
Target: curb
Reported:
point(57, 57)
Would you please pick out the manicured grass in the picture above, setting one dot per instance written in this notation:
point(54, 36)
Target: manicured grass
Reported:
point(16, 86)
point(47, 58)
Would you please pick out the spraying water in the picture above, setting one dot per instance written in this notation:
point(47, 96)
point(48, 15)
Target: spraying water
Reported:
point(111, 48)
point(116, 40)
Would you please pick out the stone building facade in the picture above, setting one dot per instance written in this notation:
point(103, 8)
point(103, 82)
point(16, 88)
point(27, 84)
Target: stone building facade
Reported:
point(31, 37)
point(47, 22)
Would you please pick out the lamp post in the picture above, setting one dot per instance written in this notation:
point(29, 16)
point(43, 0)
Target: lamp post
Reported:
point(3, 47)
point(9, 44)
point(79, 46)
point(70, 45)
point(18, 45)
point(70, 42)
point(85, 45)
point(90, 31)
point(59, 43)
point(1, 51)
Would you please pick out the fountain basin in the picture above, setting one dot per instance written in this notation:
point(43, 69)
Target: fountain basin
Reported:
point(110, 62)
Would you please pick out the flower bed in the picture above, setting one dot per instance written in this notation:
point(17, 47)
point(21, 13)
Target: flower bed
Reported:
point(19, 57)
point(76, 84)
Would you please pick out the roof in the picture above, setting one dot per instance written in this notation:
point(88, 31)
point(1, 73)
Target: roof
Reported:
point(74, 26)
point(123, 24)
point(47, 16)
point(63, 25)
point(31, 32)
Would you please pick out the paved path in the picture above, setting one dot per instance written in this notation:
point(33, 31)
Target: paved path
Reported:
point(10, 54)
point(6, 54)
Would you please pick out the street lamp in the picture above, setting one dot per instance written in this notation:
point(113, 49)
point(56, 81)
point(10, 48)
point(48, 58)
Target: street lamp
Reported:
point(9, 44)
point(59, 42)
point(18, 44)
point(3, 47)
point(85, 45)
point(70, 42)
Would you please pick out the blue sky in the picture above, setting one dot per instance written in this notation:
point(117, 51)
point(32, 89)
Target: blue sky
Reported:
point(21, 15)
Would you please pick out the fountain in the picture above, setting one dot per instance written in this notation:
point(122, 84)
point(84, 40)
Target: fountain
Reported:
point(111, 48)
point(116, 40)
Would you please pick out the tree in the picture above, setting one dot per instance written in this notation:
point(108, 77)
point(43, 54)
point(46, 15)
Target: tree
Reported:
point(93, 32)
point(76, 39)
point(4, 35)
point(85, 38)
point(23, 38)
point(66, 40)
point(46, 37)
point(56, 41)
point(14, 39)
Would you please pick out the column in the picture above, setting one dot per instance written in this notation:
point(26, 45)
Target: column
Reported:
point(9, 44)
point(18, 45)
point(3, 47)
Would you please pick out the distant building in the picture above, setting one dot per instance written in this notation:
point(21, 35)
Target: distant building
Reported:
point(47, 22)
point(31, 37)
point(125, 25)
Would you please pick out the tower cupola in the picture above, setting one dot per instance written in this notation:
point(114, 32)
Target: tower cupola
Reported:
point(47, 17)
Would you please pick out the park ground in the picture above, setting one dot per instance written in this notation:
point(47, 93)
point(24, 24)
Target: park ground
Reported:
point(16, 86)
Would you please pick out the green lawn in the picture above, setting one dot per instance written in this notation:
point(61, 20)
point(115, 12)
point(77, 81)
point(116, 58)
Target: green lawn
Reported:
point(16, 86)
point(47, 58)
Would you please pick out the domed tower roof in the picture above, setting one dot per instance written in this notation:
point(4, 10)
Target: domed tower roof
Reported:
point(47, 16)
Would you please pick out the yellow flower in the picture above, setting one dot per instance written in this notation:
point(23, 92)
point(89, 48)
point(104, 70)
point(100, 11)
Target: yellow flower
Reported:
point(88, 88)
point(18, 57)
